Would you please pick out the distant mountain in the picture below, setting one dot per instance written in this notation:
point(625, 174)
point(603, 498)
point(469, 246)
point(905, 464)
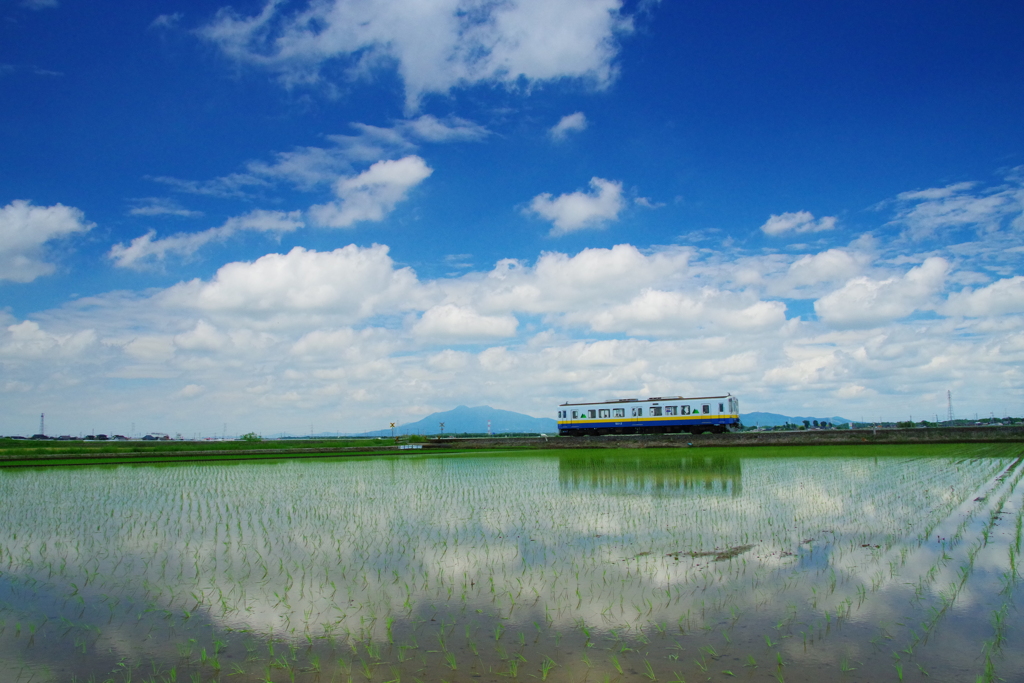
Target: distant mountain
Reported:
point(463, 420)
point(776, 420)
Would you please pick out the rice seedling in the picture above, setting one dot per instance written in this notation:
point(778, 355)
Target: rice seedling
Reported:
point(299, 561)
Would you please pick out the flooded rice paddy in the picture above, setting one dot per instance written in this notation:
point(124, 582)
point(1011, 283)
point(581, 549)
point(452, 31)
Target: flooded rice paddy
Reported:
point(857, 564)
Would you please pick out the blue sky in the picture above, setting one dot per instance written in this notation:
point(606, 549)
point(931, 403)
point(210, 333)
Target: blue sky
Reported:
point(343, 213)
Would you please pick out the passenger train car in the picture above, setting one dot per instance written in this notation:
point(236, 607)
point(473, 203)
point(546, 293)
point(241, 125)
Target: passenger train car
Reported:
point(658, 415)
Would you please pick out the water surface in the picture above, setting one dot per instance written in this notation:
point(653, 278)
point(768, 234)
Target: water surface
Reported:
point(692, 564)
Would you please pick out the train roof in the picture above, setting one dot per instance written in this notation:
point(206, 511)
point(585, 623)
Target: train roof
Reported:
point(644, 400)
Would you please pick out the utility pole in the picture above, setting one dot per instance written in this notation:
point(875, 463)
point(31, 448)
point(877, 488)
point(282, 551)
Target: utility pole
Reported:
point(442, 428)
point(42, 423)
point(949, 400)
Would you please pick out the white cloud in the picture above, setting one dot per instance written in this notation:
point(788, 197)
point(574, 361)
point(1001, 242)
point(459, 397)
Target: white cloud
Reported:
point(570, 123)
point(25, 232)
point(923, 213)
point(349, 337)
point(813, 275)
point(559, 284)
point(373, 194)
point(434, 46)
point(310, 167)
point(28, 340)
point(579, 210)
point(647, 203)
point(158, 206)
point(190, 391)
point(456, 324)
point(167, 20)
point(145, 250)
point(346, 284)
point(233, 186)
point(864, 301)
point(151, 348)
point(203, 337)
point(999, 298)
point(798, 221)
point(680, 313)
point(452, 129)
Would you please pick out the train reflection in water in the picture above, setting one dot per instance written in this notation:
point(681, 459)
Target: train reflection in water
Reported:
point(649, 474)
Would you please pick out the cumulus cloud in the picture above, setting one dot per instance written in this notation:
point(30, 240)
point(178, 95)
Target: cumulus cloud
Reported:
point(813, 275)
point(570, 123)
point(999, 298)
point(681, 313)
point(290, 337)
point(558, 284)
point(864, 301)
point(373, 194)
point(579, 210)
point(798, 221)
point(435, 46)
point(28, 339)
point(146, 250)
point(25, 232)
point(457, 324)
point(347, 284)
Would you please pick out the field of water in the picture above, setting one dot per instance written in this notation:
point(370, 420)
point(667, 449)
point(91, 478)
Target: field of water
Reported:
point(847, 564)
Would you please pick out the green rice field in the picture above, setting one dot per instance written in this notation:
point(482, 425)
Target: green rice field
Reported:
point(862, 563)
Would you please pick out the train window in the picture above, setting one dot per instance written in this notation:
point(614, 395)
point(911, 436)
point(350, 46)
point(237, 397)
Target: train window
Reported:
point(655, 411)
point(592, 414)
point(721, 408)
point(686, 410)
point(671, 410)
point(638, 412)
point(620, 412)
point(604, 412)
point(706, 409)
point(575, 414)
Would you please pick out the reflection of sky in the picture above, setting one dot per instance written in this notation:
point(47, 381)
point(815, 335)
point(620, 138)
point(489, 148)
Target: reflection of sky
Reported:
point(314, 545)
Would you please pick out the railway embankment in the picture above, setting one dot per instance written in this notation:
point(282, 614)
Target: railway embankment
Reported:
point(167, 453)
point(814, 437)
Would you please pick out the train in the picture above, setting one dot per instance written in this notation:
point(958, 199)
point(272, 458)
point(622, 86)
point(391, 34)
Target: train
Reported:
point(656, 415)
